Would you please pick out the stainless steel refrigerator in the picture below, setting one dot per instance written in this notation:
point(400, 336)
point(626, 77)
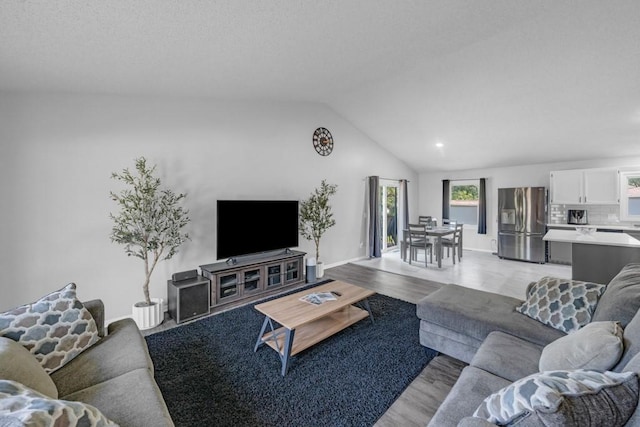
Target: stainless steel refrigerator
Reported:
point(522, 214)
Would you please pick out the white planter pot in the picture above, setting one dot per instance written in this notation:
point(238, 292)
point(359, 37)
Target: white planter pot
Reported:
point(147, 317)
point(319, 270)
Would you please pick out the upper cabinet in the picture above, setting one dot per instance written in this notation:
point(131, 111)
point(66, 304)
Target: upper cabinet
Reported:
point(567, 187)
point(601, 186)
point(585, 186)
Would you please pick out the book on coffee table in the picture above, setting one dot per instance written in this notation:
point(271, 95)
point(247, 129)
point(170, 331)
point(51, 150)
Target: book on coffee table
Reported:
point(318, 298)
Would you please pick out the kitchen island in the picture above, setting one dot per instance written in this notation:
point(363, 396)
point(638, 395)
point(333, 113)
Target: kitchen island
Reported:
point(599, 256)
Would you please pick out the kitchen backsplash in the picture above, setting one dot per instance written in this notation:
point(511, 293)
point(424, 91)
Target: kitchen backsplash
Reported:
point(596, 214)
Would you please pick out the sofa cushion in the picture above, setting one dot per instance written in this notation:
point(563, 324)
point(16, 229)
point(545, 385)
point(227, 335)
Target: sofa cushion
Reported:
point(472, 387)
point(596, 346)
point(122, 350)
point(474, 422)
point(55, 329)
point(631, 340)
point(621, 300)
point(477, 313)
point(579, 397)
point(131, 399)
point(507, 356)
point(634, 366)
point(22, 406)
point(456, 344)
point(17, 364)
point(564, 304)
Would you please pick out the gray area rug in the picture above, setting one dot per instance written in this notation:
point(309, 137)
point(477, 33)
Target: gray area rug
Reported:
point(210, 376)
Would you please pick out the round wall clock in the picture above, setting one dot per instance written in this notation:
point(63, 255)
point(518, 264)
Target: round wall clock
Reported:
point(323, 141)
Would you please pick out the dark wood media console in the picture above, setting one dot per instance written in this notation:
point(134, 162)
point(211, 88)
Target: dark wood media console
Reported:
point(253, 277)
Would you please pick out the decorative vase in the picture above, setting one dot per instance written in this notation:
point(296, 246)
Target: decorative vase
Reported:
point(148, 316)
point(319, 269)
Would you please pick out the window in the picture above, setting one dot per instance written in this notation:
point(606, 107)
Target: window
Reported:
point(463, 203)
point(630, 196)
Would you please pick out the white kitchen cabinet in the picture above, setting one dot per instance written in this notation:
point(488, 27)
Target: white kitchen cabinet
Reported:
point(601, 186)
point(584, 186)
point(567, 187)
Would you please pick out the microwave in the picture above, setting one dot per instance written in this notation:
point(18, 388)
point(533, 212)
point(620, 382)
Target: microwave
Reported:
point(577, 216)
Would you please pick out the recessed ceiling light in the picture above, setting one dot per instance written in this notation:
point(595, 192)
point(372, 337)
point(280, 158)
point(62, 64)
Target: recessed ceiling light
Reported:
point(439, 144)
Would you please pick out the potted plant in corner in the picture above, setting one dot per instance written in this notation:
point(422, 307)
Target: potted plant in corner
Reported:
point(149, 225)
point(316, 218)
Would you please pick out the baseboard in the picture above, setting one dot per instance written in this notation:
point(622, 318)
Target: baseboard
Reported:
point(480, 250)
point(336, 264)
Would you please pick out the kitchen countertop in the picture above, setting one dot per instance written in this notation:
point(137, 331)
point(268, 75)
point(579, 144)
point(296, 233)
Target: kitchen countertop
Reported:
point(607, 226)
point(595, 238)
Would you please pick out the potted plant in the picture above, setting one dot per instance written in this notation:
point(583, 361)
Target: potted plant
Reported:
point(316, 218)
point(149, 225)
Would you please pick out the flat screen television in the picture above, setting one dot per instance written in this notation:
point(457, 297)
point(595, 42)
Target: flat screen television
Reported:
point(253, 226)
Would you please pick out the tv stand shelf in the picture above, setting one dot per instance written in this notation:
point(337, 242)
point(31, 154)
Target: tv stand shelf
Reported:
point(253, 277)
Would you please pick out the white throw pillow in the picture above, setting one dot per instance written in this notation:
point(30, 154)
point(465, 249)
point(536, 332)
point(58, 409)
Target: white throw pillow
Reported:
point(596, 346)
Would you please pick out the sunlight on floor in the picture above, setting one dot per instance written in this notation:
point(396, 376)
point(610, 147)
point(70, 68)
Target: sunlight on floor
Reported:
point(479, 270)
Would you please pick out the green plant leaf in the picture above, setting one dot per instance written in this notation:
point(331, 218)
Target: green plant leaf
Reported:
point(315, 214)
point(150, 219)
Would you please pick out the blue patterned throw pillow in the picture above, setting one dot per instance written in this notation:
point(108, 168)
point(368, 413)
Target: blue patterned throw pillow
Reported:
point(577, 398)
point(55, 329)
point(566, 305)
point(22, 406)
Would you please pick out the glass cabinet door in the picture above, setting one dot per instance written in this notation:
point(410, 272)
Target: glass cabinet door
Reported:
point(292, 271)
point(227, 286)
point(252, 280)
point(274, 275)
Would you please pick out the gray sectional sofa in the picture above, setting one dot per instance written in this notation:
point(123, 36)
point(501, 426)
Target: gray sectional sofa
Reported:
point(501, 345)
point(114, 375)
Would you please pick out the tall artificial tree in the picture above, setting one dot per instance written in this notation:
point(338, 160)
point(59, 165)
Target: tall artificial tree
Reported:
point(150, 221)
point(315, 214)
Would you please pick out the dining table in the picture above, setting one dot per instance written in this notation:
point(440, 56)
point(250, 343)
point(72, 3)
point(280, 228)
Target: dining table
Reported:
point(438, 233)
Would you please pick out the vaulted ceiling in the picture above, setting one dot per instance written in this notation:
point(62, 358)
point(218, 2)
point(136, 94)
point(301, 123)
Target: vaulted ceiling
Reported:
point(496, 82)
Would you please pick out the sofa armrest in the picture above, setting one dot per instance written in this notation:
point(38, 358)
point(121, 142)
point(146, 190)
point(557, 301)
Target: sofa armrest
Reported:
point(475, 422)
point(96, 308)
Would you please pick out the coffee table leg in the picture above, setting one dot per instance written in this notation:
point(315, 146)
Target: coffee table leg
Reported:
point(288, 343)
point(259, 342)
point(365, 302)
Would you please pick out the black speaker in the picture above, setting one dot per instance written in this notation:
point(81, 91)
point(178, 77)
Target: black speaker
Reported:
point(184, 275)
point(188, 299)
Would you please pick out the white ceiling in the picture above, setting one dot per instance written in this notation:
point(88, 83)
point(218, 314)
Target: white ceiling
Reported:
point(498, 82)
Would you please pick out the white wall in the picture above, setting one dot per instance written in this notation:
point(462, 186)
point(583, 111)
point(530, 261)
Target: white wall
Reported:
point(57, 153)
point(430, 184)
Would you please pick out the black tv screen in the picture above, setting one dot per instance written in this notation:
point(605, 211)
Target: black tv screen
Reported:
point(253, 226)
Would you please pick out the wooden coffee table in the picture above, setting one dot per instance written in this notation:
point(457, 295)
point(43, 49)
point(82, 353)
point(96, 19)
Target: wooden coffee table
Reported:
point(310, 323)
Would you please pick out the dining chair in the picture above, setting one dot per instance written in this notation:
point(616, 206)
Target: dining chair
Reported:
point(427, 220)
point(418, 240)
point(454, 243)
point(424, 219)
